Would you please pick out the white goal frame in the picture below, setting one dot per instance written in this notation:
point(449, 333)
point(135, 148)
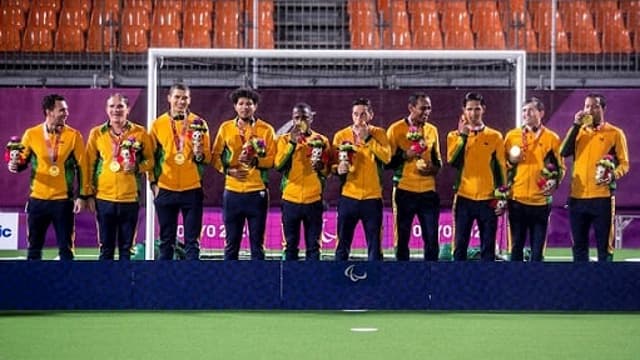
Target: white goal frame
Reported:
point(155, 55)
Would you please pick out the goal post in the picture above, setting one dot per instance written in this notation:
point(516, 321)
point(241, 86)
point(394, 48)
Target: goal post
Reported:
point(253, 58)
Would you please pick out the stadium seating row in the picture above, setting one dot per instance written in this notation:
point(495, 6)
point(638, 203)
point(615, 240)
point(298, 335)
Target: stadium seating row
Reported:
point(589, 27)
point(79, 25)
point(584, 26)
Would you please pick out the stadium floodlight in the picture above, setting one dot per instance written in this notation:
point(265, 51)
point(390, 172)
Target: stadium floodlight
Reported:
point(253, 59)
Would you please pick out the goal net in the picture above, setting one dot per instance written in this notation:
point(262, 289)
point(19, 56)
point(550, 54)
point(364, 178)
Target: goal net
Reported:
point(295, 71)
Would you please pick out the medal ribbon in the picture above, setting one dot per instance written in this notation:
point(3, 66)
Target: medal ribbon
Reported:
point(525, 141)
point(178, 140)
point(52, 150)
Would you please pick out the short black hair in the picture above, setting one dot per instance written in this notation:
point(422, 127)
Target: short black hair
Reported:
point(244, 93)
point(302, 106)
point(413, 99)
point(179, 86)
point(536, 102)
point(601, 99)
point(121, 96)
point(363, 101)
point(49, 102)
point(473, 96)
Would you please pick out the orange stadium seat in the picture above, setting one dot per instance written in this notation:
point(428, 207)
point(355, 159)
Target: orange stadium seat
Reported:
point(458, 40)
point(633, 21)
point(608, 18)
point(396, 35)
point(22, 4)
point(77, 4)
point(197, 17)
point(542, 21)
point(136, 17)
point(519, 6)
point(604, 5)
point(616, 40)
point(133, 39)
point(576, 20)
point(482, 5)
point(164, 36)
point(12, 16)
point(169, 4)
point(100, 39)
point(227, 24)
point(455, 5)
point(69, 39)
point(107, 5)
point(425, 27)
point(363, 25)
point(544, 42)
point(629, 5)
point(74, 17)
point(455, 19)
point(42, 18)
point(167, 17)
point(196, 37)
point(190, 5)
point(55, 5)
point(490, 39)
point(37, 39)
point(483, 19)
point(265, 24)
point(523, 37)
point(585, 41)
point(139, 4)
point(416, 6)
point(9, 38)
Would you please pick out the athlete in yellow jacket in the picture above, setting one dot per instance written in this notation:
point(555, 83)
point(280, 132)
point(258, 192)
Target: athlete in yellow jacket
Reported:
point(363, 150)
point(477, 153)
point(118, 153)
point(182, 150)
point(415, 163)
point(302, 157)
point(244, 150)
point(535, 170)
point(592, 141)
point(55, 152)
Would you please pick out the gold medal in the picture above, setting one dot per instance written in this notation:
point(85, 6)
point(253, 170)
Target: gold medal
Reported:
point(114, 166)
point(179, 158)
point(54, 170)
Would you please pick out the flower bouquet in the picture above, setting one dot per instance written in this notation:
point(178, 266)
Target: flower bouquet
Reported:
point(316, 148)
point(418, 144)
point(549, 178)
point(604, 169)
point(129, 149)
point(500, 196)
point(13, 151)
point(345, 154)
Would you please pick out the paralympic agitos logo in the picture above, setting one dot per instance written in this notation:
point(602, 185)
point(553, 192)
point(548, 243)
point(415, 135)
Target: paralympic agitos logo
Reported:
point(351, 274)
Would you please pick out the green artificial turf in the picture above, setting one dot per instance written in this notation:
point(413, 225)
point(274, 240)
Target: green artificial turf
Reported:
point(318, 335)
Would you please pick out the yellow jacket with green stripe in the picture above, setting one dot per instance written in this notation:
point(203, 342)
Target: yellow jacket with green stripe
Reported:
point(167, 173)
point(119, 186)
point(587, 146)
point(227, 148)
point(405, 171)
point(479, 160)
point(364, 180)
point(541, 149)
point(300, 184)
point(70, 162)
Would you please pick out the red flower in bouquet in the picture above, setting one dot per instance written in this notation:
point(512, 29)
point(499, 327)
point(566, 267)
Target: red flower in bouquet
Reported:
point(418, 144)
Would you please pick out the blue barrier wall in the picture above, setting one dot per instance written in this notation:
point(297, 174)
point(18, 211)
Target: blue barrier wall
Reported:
point(96, 285)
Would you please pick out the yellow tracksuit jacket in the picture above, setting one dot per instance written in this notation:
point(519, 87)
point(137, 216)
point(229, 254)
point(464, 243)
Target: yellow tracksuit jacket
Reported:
point(117, 186)
point(479, 159)
point(167, 173)
point(540, 149)
point(405, 171)
point(227, 148)
point(364, 181)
